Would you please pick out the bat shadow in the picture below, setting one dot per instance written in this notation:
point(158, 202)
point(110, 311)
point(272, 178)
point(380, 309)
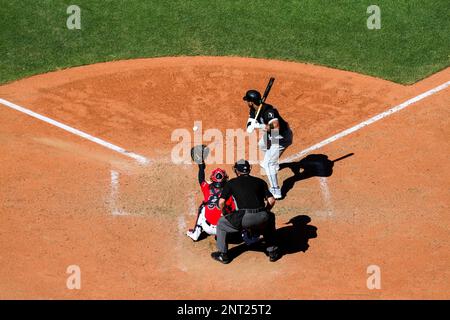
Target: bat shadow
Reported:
point(313, 165)
point(290, 239)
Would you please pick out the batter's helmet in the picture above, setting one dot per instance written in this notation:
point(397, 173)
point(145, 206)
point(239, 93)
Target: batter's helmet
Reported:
point(253, 96)
point(218, 178)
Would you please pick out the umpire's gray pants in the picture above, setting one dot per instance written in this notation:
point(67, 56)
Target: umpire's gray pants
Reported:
point(260, 222)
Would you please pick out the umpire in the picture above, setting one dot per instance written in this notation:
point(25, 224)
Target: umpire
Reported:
point(251, 194)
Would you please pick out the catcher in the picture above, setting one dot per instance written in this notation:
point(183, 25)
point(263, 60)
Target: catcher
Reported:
point(209, 212)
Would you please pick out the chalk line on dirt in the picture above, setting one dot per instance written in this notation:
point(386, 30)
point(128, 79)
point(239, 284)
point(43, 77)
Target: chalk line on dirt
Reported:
point(326, 195)
point(181, 223)
point(192, 206)
point(366, 122)
point(183, 227)
point(181, 230)
point(140, 159)
point(114, 193)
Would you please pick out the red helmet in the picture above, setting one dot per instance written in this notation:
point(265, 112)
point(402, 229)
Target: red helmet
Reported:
point(218, 178)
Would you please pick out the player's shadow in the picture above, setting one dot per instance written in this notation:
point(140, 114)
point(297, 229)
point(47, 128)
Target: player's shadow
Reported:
point(290, 239)
point(295, 237)
point(313, 165)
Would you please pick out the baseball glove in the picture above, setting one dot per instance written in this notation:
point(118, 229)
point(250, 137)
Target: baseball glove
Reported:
point(199, 153)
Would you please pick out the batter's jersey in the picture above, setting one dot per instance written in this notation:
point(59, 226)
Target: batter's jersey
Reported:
point(269, 114)
point(211, 199)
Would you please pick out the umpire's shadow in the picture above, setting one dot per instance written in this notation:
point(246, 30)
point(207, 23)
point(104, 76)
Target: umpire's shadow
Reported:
point(290, 239)
point(295, 237)
point(313, 165)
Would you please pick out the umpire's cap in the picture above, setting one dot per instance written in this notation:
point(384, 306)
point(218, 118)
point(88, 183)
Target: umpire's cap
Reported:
point(253, 96)
point(242, 166)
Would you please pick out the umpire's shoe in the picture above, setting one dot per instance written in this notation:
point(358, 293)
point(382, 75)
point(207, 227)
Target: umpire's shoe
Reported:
point(221, 257)
point(274, 254)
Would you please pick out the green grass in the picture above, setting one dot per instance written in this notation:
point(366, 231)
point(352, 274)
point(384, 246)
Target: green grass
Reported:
point(412, 43)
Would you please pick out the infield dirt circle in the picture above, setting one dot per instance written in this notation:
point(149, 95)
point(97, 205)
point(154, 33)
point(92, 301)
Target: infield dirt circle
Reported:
point(67, 201)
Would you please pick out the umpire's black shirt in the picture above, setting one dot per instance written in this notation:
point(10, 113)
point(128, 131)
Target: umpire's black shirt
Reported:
point(249, 192)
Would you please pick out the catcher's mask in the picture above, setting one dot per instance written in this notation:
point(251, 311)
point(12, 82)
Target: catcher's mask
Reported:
point(242, 166)
point(218, 178)
point(253, 96)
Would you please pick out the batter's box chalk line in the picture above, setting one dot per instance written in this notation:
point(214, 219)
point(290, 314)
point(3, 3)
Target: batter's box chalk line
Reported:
point(326, 195)
point(114, 195)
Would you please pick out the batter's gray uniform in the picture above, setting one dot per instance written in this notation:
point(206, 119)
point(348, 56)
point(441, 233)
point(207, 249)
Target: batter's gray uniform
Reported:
point(273, 144)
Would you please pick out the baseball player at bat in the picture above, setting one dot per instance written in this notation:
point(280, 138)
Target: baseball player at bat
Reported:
point(277, 137)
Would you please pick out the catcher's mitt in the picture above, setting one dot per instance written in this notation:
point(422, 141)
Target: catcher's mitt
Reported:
point(199, 153)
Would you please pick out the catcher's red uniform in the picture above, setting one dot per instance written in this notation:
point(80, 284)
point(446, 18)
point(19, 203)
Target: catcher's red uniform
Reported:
point(211, 197)
point(209, 212)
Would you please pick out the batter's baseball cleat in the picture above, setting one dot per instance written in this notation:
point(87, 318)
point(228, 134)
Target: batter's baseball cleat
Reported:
point(276, 192)
point(221, 257)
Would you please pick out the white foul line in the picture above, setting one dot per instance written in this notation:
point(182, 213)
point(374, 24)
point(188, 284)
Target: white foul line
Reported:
point(142, 160)
point(366, 123)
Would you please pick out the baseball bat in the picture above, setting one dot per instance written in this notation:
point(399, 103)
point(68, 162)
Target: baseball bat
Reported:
point(264, 97)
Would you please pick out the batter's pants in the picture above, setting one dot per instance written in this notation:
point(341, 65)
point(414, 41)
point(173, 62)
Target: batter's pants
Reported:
point(273, 149)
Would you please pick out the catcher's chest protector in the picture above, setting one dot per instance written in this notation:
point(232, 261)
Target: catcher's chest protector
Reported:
point(211, 200)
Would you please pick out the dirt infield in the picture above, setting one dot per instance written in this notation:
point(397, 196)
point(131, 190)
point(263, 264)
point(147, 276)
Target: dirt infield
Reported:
point(67, 201)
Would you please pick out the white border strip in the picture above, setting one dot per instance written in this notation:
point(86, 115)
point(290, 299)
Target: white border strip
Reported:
point(142, 160)
point(366, 123)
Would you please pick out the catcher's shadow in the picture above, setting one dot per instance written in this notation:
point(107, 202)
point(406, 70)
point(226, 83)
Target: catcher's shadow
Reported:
point(313, 165)
point(291, 239)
